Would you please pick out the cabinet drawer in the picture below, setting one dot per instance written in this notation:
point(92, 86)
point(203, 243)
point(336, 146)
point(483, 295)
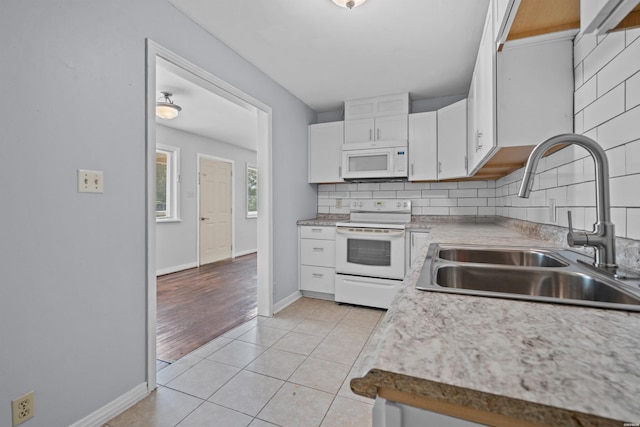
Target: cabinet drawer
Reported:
point(308, 232)
point(317, 252)
point(317, 279)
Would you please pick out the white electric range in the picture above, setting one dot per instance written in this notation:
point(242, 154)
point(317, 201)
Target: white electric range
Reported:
point(370, 252)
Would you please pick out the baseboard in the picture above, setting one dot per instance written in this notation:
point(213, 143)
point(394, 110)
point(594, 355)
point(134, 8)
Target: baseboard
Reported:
point(114, 408)
point(242, 253)
point(176, 268)
point(318, 295)
point(285, 302)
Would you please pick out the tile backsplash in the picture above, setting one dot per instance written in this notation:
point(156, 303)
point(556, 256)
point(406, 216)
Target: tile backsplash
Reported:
point(428, 198)
point(606, 108)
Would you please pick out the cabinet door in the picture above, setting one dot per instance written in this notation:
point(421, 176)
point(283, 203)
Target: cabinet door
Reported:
point(356, 131)
point(534, 92)
point(391, 128)
point(377, 106)
point(423, 144)
point(320, 253)
point(325, 152)
point(482, 143)
point(418, 241)
point(452, 140)
point(317, 279)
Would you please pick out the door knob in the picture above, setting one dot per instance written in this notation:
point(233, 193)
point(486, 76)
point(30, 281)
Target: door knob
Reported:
point(203, 218)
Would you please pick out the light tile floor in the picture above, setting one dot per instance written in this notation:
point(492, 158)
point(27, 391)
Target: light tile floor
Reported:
point(292, 369)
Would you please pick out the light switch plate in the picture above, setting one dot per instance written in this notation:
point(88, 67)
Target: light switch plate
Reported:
point(90, 181)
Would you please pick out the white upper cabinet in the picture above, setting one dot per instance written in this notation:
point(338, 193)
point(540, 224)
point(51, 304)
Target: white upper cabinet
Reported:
point(368, 132)
point(600, 16)
point(481, 138)
point(452, 141)
point(372, 121)
point(534, 91)
point(423, 146)
point(325, 152)
point(521, 95)
point(438, 143)
point(504, 13)
point(389, 105)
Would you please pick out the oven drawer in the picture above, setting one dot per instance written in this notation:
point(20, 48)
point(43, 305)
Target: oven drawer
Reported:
point(307, 232)
point(317, 252)
point(317, 279)
point(367, 291)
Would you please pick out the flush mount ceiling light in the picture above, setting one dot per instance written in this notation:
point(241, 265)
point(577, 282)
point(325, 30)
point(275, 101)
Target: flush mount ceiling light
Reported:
point(350, 4)
point(166, 109)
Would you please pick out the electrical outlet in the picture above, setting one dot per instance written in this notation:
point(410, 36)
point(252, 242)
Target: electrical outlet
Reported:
point(22, 408)
point(552, 211)
point(90, 181)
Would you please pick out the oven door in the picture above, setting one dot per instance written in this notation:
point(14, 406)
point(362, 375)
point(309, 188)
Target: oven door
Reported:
point(370, 252)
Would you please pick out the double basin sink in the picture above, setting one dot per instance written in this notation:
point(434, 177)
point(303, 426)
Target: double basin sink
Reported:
point(546, 275)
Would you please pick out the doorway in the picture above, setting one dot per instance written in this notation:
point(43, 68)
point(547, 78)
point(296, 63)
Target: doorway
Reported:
point(216, 209)
point(264, 220)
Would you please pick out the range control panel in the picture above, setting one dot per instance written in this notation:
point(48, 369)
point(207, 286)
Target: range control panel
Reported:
point(381, 205)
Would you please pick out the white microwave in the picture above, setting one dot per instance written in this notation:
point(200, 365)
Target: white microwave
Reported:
point(388, 162)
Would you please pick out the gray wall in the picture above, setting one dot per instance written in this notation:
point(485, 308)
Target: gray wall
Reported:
point(72, 293)
point(176, 242)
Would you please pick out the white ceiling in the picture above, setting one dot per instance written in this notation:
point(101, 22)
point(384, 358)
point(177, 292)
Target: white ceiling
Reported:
point(325, 54)
point(205, 112)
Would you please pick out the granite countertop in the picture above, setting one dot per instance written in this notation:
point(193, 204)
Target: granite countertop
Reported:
point(324, 220)
point(535, 362)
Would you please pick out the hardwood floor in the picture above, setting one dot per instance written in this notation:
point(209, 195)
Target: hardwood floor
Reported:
point(199, 304)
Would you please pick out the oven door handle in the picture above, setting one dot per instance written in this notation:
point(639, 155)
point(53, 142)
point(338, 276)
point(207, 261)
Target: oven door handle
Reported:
point(391, 233)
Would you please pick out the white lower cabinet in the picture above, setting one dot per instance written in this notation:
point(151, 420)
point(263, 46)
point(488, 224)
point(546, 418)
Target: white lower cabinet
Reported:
point(416, 240)
point(316, 259)
point(317, 279)
point(387, 413)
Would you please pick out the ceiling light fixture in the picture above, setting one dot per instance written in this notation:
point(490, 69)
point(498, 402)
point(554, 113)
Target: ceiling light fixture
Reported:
point(166, 109)
point(350, 4)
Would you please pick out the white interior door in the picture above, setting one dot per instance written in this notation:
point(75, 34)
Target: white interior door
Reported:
point(215, 210)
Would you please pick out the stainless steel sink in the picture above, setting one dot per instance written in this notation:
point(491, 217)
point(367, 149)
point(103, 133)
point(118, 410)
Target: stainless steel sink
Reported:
point(528, 257)
point(545, 275)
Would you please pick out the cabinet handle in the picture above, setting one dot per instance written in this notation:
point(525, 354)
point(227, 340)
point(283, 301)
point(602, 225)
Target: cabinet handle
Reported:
point(318, 249)
point(466, 164)
point(413, 243)
point(411, 169)
point(316, 230)
point(439, 167)
point(317, 275)
point(478, 144)
point(340, 171)
point(370, 133)
point(377, 134)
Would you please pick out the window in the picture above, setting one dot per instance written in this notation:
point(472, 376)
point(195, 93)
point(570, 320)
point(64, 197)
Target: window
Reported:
point(252, 191)
point(167, 183)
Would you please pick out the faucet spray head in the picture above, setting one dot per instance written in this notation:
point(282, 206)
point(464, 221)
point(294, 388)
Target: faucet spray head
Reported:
point(527, 185)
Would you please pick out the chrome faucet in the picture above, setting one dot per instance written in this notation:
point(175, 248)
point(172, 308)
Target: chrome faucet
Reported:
point(603, 236)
